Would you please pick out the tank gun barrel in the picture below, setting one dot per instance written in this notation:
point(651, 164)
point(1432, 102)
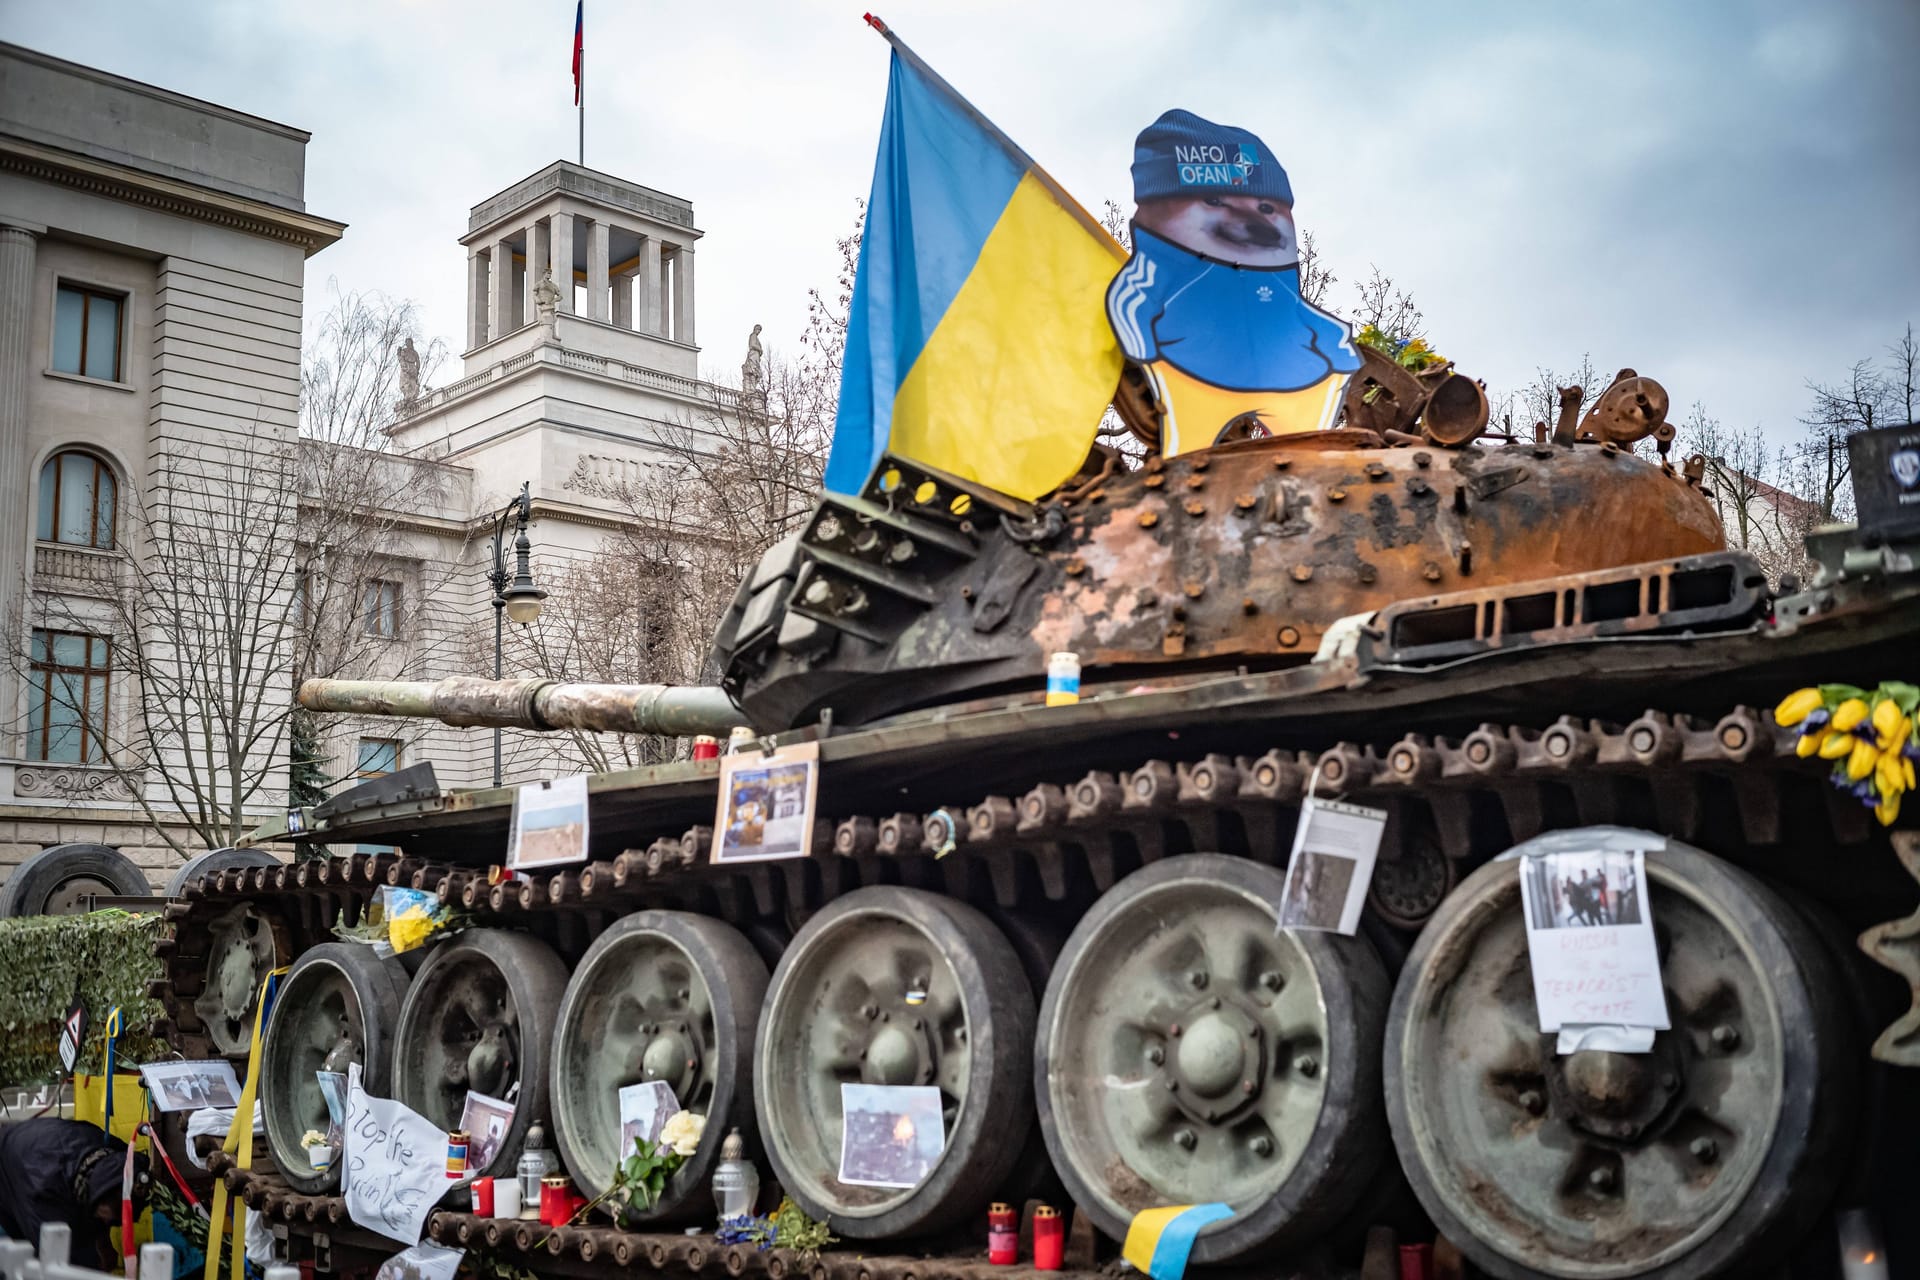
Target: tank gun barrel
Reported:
point(546, 705)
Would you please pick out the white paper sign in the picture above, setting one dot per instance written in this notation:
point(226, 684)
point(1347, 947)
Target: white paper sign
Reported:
point(549, 824)
point(421, 1262)
point(1334, 849)
point(191, 1086)
point(1591, 945)
point(890, 1135)
point(395, 1168)
point(645, 1109)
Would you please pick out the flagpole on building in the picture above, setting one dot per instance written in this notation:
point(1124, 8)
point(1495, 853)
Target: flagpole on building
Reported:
point(583, 84)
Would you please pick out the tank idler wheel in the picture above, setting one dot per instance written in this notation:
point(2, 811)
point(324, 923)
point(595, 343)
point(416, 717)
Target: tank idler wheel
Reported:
point(667, 996)
point(479, 1016)
point(244, 944)
point(893, 986)
point(1696, 1159)
point(337, 1005)
point(1189, 1051)
point(213, 862)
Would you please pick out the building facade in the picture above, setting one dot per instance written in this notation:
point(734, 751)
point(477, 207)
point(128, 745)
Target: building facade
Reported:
point(153, 252)
point(580, 364)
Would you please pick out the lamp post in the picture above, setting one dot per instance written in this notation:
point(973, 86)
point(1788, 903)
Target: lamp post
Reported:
point(514, 596)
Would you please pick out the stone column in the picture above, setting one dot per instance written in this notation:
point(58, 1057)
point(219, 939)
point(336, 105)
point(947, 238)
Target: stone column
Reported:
point(623, 299)
point(16, 486)
point(476, 298)
point(502, 290)
point(538, 255)
point(683, 295)
point(649, 273)
point(597, 286)
point(563, 259)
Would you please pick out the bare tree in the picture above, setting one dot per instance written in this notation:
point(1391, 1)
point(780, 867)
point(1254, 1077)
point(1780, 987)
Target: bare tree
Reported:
point(1751, 487)
point(194, 638)
point(730, 479)
point(1869, 396)
point(1383, 305)
point(1316, 278)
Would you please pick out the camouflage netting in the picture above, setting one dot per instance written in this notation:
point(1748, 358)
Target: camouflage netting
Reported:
point(107, 957)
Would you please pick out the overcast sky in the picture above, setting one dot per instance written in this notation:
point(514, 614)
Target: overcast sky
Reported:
point(1725, 196)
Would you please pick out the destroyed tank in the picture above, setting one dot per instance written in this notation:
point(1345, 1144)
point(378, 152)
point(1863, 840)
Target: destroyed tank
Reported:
point(1064, 918)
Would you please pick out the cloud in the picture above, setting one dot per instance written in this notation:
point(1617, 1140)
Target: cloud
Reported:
point(1721, 198)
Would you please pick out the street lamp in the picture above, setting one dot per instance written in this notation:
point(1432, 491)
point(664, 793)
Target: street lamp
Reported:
point(514, 596)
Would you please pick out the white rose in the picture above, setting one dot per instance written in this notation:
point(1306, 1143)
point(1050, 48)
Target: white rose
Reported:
point(683, 1131)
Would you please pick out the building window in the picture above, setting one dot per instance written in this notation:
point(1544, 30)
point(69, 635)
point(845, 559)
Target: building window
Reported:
point(86, 332)
point(378, 756)
point(67, 720)
point(383, 608)
point(77, 498)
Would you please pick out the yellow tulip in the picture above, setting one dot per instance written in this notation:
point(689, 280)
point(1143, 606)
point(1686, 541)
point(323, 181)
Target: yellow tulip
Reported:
point(1797, 706)
point(1886, 718)
point(1836, 745)
point(1888, 809)
point(1809, 743)
point(1861, 763)
point(1906, 768)
point(1849, 713)
point(1888, 776)
point(1902, 731)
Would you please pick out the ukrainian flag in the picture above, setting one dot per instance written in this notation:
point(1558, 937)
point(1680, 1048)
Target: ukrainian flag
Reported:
point(978, 340)
point(1159, 1240)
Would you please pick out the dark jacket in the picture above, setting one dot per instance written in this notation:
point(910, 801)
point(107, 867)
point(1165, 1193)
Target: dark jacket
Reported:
point(56, 1171)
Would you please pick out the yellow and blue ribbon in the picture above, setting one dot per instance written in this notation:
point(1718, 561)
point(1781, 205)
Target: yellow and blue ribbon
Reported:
point(1159, 1240)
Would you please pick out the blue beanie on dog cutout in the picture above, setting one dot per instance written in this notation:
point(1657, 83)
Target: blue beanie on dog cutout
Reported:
point(1182, 154)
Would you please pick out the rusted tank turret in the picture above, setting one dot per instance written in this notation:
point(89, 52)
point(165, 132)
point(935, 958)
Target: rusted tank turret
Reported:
point(927, 590)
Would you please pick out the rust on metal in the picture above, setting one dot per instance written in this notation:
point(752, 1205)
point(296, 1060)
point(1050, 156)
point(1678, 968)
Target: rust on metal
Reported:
point(465, 701)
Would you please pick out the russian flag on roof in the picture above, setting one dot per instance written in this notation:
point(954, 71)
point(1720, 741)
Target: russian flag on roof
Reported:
point(978, 340)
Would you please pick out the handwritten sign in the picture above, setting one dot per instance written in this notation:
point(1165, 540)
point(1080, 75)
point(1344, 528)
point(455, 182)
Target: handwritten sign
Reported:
point(1590, 941)
point(396, 1164)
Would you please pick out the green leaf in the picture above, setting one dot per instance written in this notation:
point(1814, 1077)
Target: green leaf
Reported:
point(1835, 694)
point(1905, 696)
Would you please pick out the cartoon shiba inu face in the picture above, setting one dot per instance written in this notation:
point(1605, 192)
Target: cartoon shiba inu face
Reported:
point(1249, 231)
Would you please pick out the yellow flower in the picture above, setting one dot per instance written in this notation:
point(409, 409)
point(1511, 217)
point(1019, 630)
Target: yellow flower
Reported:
point(683, 1131)
point(1888, 776)
point(1861, 763)
point(1849, 713)
point(1796, 706)
point(1886, 718)
point(1809, 743)
point(1836, 745)
point(1906, 768)
point(1888, 809)
point(1902, 731)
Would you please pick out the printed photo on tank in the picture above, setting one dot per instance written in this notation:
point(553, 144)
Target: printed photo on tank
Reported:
point(766, 804)
point(891, 1135)
point(486, 1121)
point(190, 1086)
point(1335, 846)
point(422, 1262)
point(645, 1109)
point(549, 824)
point(1590, 940)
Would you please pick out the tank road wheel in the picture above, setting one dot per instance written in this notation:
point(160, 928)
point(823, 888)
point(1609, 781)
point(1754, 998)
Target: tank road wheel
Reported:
point(339, 1004)
point(894, 986)
point(58, 881)
point(1189, 1051)
point(244, 945)
point(214, 861)
point(1715, 1147)
point(662, 995)
point(479, 1016)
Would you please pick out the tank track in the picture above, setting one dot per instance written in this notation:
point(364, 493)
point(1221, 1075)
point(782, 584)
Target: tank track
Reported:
point(1476, 795)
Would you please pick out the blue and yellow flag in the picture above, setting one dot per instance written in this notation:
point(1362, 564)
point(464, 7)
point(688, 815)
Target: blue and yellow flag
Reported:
point(978, 341)
point(1159, 1240)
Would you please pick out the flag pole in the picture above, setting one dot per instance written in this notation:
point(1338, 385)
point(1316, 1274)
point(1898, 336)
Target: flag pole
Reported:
point(583, 84)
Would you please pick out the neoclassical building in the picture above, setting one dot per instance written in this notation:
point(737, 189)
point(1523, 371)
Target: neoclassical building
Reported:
point(152, 267)
point(153, 254)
